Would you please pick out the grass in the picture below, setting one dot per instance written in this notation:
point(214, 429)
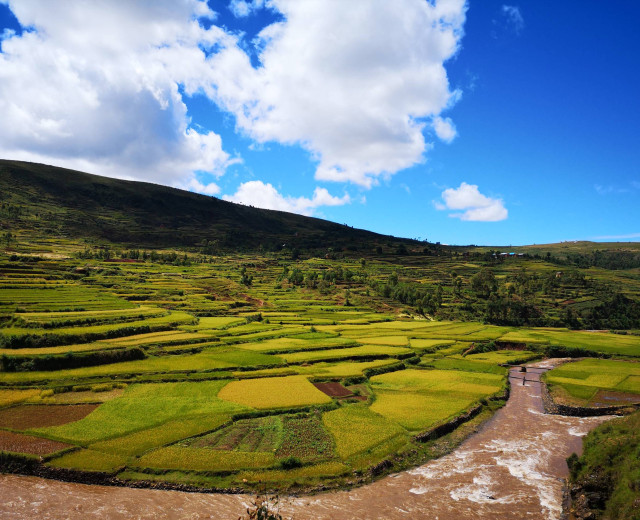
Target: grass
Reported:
point(172, 431)
point(143, 406)
point(610, 466)
point(273, 392)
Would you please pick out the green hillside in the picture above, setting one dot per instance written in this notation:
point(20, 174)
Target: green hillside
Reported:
point(46, 200)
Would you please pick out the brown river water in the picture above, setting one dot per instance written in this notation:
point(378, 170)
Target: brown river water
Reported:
point(511, 469)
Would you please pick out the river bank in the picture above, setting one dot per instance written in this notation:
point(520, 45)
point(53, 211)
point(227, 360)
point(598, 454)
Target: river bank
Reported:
point(512, 468)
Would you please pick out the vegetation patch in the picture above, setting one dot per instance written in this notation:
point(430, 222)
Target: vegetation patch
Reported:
point(143, 406)
point(356, 428)
point(581, 381)
point(172, 431)
point(604, 480)
point(204, 459)
point(304, 438)
point(420, 399)
point(257, 434)
point(273, 392)
point(89, 460)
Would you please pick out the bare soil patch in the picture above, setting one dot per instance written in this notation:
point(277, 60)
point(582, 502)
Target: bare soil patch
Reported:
point(37, 416)
point(20, 443)
point(612, 398)
point(333, 389)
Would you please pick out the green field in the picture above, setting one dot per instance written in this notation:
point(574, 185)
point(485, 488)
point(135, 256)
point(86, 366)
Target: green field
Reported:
point(584, 382)
point(192, 375)
point(419, 399)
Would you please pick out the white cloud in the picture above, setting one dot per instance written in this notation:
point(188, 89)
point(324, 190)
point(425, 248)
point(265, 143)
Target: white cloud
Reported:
point(257, 193)
point(445, 129)
point(243, 8)
point(476, 206)
point(352, 82)
point(210, 188)
point(513, 17)
point(103, 96)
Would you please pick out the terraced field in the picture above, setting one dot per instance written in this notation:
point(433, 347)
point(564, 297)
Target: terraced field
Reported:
point(596, 382)
point(179, 372)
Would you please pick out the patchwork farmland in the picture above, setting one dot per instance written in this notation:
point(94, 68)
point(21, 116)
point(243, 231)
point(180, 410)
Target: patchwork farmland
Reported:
point(186, 373)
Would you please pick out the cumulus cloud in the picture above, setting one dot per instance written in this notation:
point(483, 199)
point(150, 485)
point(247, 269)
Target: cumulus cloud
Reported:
point(352, 82)
point(101, 85)
point(210, 188)
point(476, 206)
point(257, 193)
point(95, 85)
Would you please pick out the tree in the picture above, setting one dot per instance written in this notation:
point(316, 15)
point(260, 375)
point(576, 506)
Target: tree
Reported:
point(484, 283)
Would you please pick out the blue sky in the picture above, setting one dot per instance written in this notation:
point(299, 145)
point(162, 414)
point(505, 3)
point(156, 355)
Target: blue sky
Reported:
point(477, 122)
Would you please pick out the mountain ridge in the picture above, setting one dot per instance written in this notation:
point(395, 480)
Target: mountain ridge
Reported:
point(51, 199)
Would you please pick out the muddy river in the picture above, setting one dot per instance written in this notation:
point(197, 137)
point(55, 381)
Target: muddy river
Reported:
point(512, 468)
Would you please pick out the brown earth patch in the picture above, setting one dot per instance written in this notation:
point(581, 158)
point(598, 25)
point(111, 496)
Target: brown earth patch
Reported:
point(21, 443)
point(24, 417)
point(333, 389)
point(612, 398)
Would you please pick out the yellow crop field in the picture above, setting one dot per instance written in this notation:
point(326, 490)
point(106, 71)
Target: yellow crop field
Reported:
point(316, 470)
point(419, 399)
point(357, 428)
point(205, 459)
point(8, 397)
point(273, 392)
point(397, 341)
point(430, 343)
point(89, 460)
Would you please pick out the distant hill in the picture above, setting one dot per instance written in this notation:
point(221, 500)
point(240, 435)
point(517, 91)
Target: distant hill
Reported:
point(50, 200)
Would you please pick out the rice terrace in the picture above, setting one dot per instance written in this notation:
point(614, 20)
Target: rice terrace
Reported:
point(297, 369)
point(319, 260)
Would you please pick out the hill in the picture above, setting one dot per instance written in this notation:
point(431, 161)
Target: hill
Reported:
point(47, 200)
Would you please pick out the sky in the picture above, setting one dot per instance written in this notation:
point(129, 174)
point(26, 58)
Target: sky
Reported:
point(452, 121)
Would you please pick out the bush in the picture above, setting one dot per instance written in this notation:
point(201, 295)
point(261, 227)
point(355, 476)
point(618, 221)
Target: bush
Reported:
point(290, 463)
point(263, 508)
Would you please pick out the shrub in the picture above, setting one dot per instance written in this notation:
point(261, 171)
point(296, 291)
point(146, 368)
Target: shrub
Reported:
point(290, 463)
